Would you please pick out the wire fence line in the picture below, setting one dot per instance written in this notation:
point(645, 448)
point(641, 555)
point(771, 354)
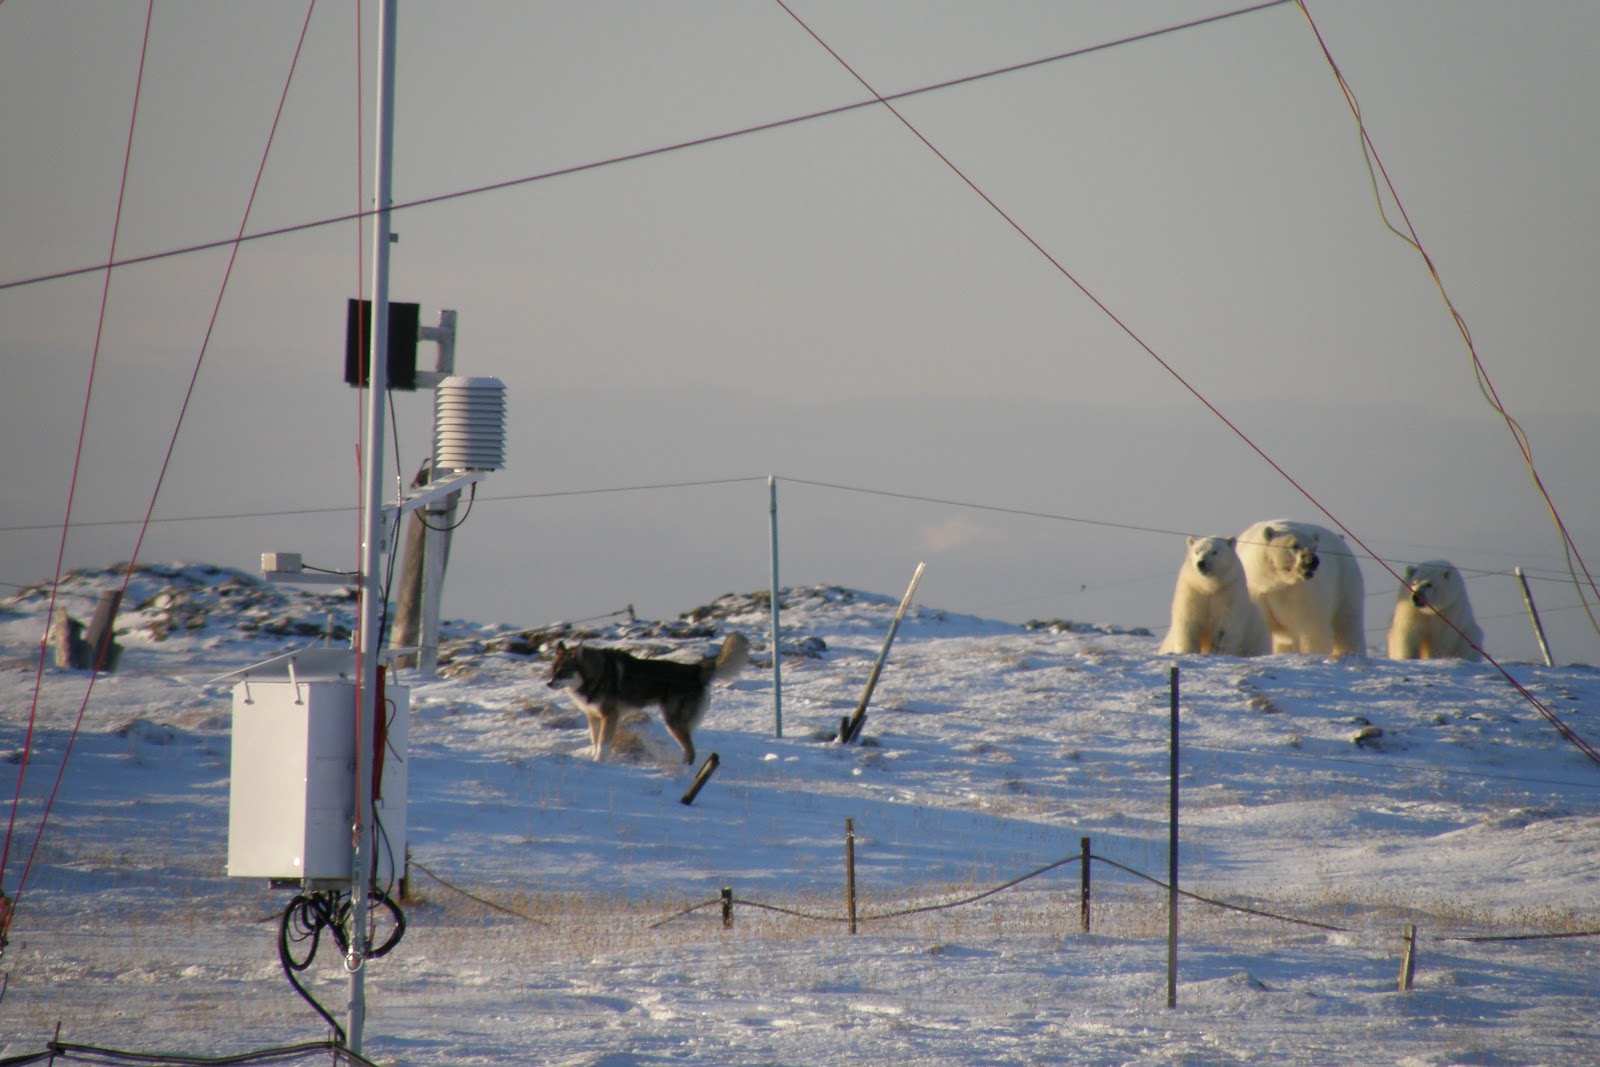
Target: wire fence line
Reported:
point(728, 901)
point(555, 494)
point(473, 897)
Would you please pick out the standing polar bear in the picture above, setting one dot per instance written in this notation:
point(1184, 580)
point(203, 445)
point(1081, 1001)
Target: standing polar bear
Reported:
point(1211, 608)
point(1308, 586)
point(1430, 594)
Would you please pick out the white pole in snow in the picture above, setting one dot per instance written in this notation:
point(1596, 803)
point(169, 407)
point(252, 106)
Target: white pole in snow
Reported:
point(1172, 856)
point(777, 654)
point(364, 839)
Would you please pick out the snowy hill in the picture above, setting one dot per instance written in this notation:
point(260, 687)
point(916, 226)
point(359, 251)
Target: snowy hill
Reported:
point(1363, 796)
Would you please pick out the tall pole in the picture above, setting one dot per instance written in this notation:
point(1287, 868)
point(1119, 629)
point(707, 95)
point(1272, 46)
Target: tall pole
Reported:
point(364, 839)
point(1172, 857)
point(777, 651)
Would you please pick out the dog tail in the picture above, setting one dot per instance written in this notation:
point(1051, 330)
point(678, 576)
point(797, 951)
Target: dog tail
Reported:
point(731, 659)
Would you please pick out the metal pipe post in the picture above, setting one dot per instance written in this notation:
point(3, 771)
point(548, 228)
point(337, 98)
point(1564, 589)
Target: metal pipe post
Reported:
point(363, 842)
point(777, 649)
point(1172, 858)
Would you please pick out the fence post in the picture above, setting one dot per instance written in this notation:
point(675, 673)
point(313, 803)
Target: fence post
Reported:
point(727, 907)
point(1083, 873)
point(1533, 613)
point(1408, 962)
point(850, 870)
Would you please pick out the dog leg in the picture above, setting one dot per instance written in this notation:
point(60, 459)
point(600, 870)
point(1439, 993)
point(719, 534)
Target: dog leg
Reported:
point(680, 734)
point(679, 717)
point(608, 733)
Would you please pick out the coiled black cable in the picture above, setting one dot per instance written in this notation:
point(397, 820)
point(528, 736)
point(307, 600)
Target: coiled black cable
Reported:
point(305, 919)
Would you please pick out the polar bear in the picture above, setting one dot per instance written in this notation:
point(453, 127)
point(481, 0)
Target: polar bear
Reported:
point(1430, 594)
point(1211, 607)
point(1308, 585)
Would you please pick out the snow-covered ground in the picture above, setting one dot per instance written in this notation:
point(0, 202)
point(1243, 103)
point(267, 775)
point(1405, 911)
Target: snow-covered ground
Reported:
point(1361, 795)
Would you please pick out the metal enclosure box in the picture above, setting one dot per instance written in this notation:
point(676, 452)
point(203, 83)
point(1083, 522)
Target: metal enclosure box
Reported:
point(290, 800)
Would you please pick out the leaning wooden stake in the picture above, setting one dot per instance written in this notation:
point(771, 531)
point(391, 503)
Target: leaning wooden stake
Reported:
point(727, 907)
point(700, 779)
point(1533, 613)
point(852, 729)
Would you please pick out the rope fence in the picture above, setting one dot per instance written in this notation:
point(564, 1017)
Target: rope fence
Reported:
point(727, 902)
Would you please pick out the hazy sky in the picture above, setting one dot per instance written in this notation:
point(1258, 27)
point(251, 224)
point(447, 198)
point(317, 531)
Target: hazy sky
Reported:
point(826, 301)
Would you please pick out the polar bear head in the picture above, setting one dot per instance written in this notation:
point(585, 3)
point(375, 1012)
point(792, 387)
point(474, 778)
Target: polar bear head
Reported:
point(1213, 560)
point(1291, 553)
point(1433, 585)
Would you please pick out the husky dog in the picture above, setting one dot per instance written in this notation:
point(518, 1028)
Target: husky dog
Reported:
point(606, 681)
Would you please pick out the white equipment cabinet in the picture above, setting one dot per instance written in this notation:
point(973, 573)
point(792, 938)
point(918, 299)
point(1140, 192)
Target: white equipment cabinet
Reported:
point(291, 796)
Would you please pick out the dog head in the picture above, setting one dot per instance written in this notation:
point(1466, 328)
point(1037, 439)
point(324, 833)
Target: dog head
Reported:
point(566, 669)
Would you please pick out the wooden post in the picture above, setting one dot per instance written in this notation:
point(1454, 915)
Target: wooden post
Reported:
point(850, 870)
point(702, 778)
point(66, 637)
point(1172, 858)
point(877, 668)
point(1533, 613)
point(427, 554)
point(408, 606)
point(435, 560)
point(727, 907)
point(1408, 961)
point(1083, 874)
point(103, 652)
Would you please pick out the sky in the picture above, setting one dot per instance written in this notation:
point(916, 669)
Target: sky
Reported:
point(829, 302)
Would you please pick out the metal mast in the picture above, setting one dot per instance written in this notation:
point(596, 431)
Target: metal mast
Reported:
point(372, 534)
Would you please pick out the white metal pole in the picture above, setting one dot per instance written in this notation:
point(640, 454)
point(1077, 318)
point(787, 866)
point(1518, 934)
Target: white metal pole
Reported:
point(1172, 854)
point(777, 652)
point(372, 534)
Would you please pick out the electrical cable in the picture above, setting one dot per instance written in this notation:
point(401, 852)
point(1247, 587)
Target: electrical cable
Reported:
point(472, 498)
point(306, 917)
point(63, 1050)
point(362, 214)
point(1477, 572)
